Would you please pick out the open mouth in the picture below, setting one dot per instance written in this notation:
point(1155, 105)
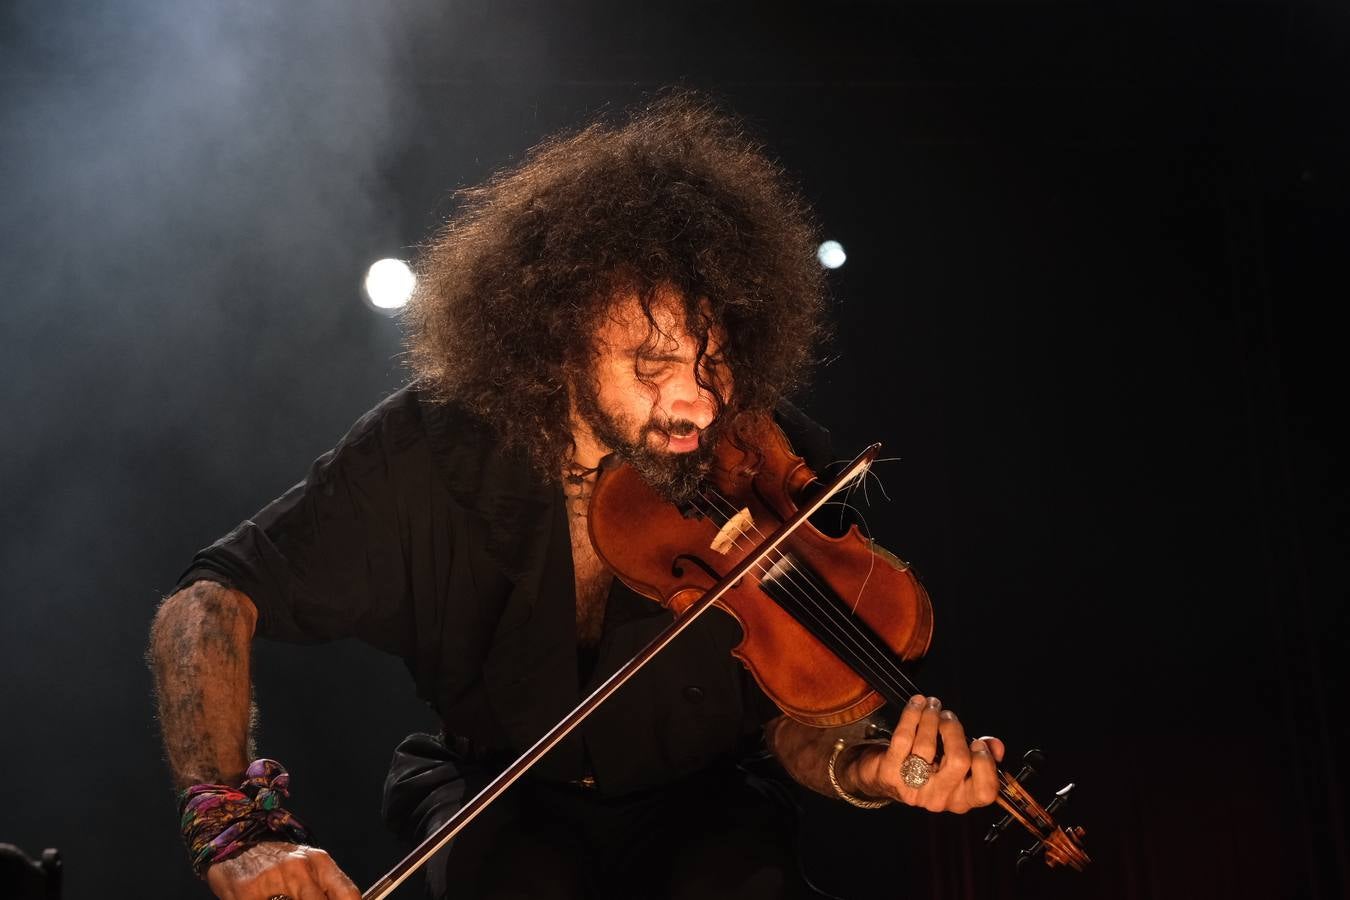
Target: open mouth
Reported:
point(682, 444)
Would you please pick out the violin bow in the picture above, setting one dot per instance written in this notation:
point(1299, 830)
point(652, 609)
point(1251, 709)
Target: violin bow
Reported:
point(433, 843)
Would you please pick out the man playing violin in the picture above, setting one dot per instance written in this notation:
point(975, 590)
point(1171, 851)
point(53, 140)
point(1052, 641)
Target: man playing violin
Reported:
point(628, 289)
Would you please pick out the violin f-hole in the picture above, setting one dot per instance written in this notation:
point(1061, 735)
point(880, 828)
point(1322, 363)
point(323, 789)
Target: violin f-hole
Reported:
point(678, 571)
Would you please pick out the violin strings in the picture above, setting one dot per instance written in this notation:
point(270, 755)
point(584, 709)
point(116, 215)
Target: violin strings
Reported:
point(830, 618)
point(828, 623)
point(856, 647)
point(835, 616)
point(862, 643)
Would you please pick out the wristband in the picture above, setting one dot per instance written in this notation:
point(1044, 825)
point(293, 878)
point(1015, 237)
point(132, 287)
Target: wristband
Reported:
point(220, 822)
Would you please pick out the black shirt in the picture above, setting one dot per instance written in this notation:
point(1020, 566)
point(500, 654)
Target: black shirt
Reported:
point(419, 536)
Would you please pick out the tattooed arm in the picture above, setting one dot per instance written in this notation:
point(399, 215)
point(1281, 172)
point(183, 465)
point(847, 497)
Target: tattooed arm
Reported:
point(199, 655)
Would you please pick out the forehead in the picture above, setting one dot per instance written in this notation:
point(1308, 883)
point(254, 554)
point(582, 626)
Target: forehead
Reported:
point(625, 327)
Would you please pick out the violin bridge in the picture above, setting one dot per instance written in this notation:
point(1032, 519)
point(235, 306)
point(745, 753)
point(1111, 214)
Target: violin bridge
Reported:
point(730, 534)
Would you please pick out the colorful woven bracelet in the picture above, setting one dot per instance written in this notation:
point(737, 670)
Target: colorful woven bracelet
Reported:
point(220, 822)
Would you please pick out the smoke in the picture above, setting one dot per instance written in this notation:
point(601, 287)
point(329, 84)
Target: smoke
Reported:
point(177, 178)
point(155, 113)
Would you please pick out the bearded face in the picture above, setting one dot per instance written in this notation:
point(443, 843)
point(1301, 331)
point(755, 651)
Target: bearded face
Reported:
point(653, 394)
point(675, 476)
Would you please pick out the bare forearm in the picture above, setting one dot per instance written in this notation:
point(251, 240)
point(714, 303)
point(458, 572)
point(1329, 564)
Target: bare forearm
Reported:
point(199, 656)
point(804, 752)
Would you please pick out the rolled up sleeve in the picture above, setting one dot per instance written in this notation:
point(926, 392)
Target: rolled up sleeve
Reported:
point(325, 559)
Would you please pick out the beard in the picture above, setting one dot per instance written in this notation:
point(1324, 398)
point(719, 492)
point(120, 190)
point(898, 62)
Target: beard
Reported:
point(677, 477)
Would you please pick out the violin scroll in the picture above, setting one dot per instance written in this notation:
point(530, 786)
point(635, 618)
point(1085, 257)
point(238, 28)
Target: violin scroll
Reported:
point(1061, 846)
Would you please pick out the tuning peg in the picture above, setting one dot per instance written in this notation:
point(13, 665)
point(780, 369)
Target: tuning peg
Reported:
point(1030, 760)
point(997, 829)
point(1061, 798)
point(1027, 855)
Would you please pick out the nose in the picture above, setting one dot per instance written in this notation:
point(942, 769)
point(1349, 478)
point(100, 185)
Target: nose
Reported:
point(692, 402)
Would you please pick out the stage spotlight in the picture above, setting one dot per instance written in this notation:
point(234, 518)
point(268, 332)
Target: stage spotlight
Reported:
point(831, 254)
point(389, 284)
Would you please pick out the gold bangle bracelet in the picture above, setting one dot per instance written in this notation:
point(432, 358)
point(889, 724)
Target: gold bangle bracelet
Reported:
point(844, 795)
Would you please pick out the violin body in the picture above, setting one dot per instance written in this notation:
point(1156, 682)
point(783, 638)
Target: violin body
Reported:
point(861, 605)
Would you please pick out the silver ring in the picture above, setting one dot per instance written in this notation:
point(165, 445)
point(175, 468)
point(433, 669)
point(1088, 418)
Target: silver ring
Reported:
point(915, 771)
point(279, 897)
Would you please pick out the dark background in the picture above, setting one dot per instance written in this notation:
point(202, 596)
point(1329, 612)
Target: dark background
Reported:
point(1091, 303)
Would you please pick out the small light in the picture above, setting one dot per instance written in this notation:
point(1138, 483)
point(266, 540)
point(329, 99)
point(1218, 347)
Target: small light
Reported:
point(831, 254)
point(389, 283)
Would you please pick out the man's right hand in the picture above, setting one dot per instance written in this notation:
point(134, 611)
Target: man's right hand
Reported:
point(271, 869)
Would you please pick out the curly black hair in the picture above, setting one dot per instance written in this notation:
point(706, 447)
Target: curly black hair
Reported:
point(512, 288)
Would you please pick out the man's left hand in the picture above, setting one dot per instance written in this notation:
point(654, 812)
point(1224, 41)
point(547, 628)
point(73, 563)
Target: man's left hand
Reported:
point(965, 777)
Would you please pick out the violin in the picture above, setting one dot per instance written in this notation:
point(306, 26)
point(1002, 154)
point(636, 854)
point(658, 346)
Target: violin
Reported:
point(828, 623)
